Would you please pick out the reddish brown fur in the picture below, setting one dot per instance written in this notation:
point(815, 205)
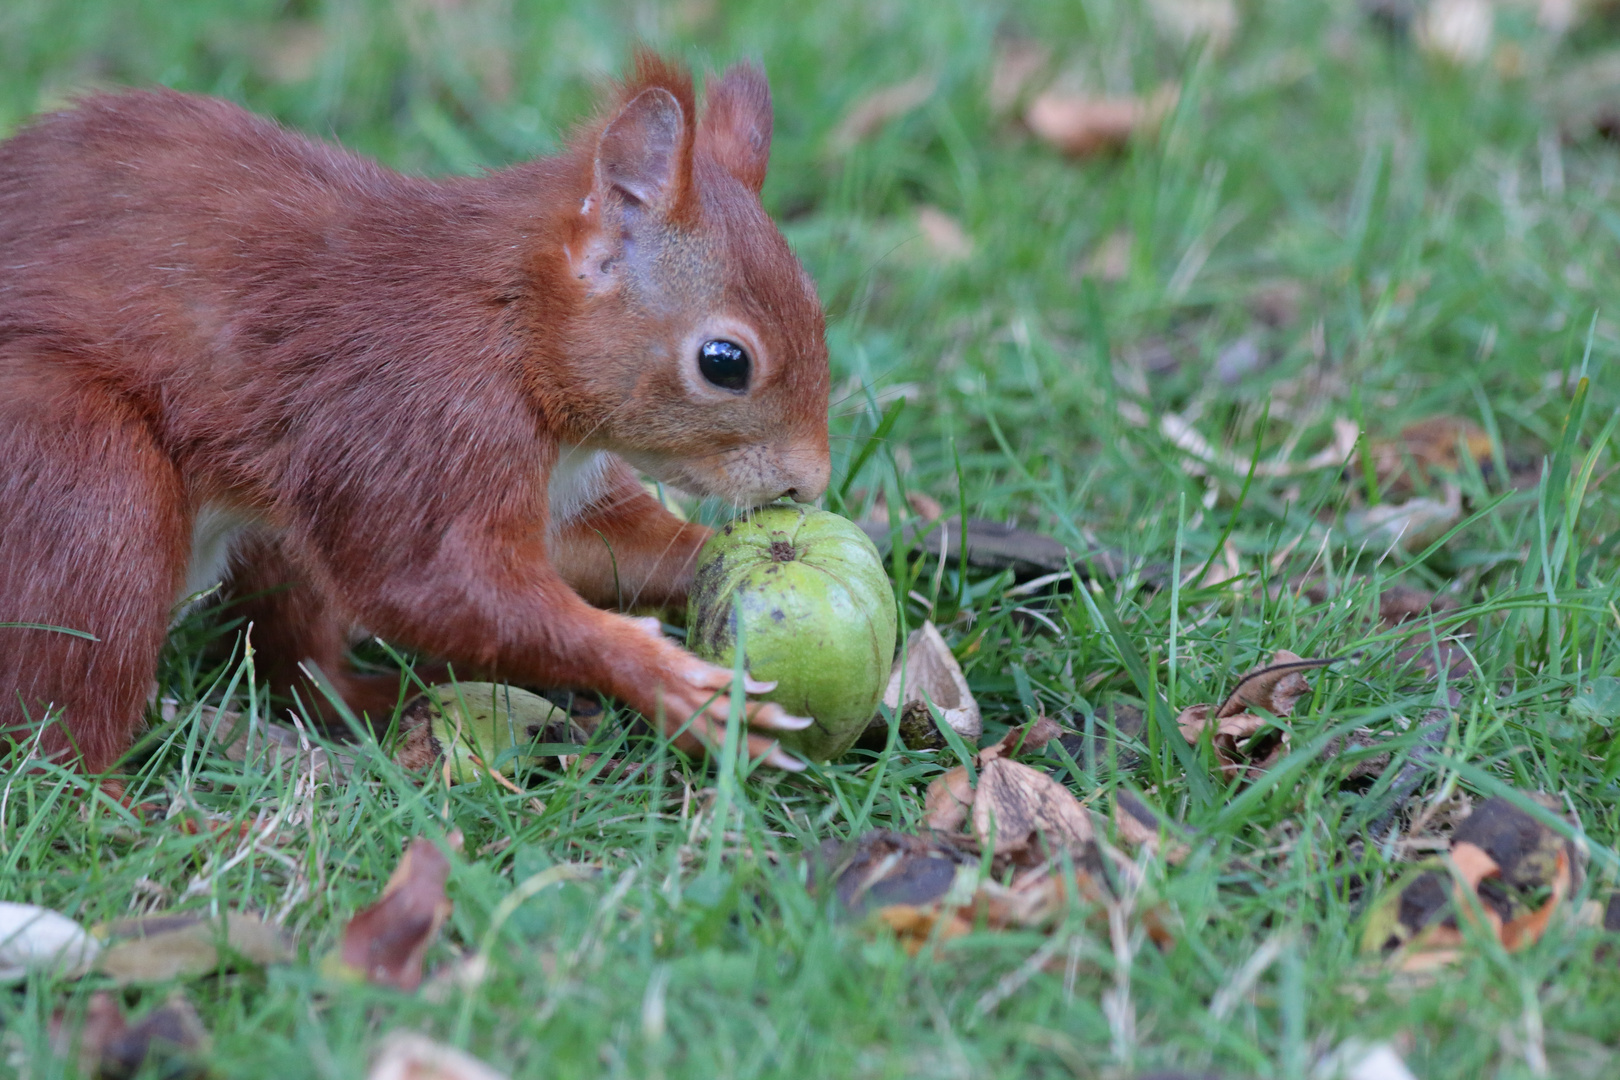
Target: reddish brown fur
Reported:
point(379, 373)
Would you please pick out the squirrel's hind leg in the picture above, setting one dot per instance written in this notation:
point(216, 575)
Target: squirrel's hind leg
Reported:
point(295, 625)
point(93, 538)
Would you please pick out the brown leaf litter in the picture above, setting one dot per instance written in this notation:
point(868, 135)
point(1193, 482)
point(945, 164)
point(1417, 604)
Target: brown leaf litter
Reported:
point(1244, 741)
point(1082, 125)
point(109, 1047)
point(1042, 849)
point(386, 942)
point(1505, 873)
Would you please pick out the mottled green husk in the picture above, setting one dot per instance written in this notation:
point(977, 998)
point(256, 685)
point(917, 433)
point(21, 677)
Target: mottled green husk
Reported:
point(486, 720)
point(817, 612)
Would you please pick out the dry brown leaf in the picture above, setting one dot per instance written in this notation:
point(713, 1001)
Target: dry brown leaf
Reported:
point(930, 674)
point(1411, 525)
point(949, 798)
point(1206, 456)
point(1275, 687)
point(883, 867)
point(868, 115)
point(1138, 824)
point(1015, 807)
point(405, 1055)
point(1080, 126)
point(386, 942)
point(943, 234)
point(1428, 445)
point(915, 926)
point(1499, 855)
point(109, 1046)
point(1030, 738)
point(1243, 741)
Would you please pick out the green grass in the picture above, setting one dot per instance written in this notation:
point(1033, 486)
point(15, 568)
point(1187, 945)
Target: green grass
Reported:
point(1450, 255)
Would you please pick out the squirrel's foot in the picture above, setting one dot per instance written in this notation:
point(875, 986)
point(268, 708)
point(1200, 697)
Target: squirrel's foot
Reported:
point(693, 697)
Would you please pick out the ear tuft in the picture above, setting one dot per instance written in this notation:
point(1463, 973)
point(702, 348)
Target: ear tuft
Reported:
point(640, 152)
point(736, 126)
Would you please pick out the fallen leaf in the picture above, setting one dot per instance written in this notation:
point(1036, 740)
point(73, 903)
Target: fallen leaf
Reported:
point(992, 545)
point(405, 1055)
point(110, 1048)
point(386, 942)
point(948, 800)
point(943, 234)
point(883, 868)
point(36, 938)
point(1016, 807)
point(157, 948)
point(1030, 738)
point(1428, 446)
point(926, 672)
point(103, 1022)
point(868, 116)
point(1456, 31)
point(1275, 688)
point(1139, 825)
point(1412, 525)
point(1081, 126)
point(1206, 456)
point(1398, 603)
point(1500, 858)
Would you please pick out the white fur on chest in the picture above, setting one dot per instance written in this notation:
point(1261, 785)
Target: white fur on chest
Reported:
point(214, 530)
point(578, 480)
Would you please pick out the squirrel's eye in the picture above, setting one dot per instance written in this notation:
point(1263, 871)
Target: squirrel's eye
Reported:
point(724, 363)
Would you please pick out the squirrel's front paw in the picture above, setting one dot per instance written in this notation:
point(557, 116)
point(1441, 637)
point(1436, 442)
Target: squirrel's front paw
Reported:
point(692, 696)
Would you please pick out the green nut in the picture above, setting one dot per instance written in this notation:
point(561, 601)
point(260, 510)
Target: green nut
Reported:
point(816, 613)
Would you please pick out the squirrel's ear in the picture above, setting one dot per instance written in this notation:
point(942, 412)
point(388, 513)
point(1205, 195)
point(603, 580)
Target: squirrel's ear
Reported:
point(736, 126)
point(643, 155)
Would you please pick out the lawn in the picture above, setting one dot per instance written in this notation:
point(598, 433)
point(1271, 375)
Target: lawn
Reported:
point(1331, 234)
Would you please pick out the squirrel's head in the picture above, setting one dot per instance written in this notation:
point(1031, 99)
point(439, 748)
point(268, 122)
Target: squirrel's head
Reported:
point(696, 346)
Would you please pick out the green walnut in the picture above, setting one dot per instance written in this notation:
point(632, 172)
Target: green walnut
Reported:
point(481, 720)
point(816, 613)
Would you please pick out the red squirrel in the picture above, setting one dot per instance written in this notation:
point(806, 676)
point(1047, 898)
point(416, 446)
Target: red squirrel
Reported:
point(360, 398)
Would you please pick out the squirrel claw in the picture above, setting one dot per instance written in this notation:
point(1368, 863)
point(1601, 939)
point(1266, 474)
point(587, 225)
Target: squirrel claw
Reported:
point(777, 720)
point(778, 757)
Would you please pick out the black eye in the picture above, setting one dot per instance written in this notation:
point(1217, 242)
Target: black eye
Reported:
point(724, 363)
